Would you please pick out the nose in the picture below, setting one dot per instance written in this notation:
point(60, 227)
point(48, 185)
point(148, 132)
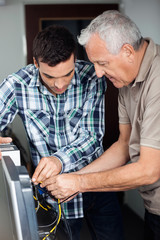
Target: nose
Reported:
point(99, 71)
point(59, 83)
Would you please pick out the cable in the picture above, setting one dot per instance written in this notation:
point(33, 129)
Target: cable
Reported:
point(67, 225)
point(40, 205)
point(69, 197)
point(59, 218)
point(46, 208)
point(60, 210)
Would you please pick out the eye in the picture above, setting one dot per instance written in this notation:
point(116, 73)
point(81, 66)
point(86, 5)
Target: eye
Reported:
point(48, 76)
point(67, 75)
point(101, 63)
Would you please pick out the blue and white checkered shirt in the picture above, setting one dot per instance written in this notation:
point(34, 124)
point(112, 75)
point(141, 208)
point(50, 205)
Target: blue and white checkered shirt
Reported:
point(69, 126)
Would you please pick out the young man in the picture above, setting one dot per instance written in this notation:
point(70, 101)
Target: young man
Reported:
point(61, 103)
point(115, 46)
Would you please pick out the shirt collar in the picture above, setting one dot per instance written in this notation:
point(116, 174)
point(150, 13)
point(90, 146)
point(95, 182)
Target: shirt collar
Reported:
point(147, 61)
point(75, 80)
point(35, 82)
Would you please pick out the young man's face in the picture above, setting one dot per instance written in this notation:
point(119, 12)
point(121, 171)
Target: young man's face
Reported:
point(117, 68)
point(57, 78)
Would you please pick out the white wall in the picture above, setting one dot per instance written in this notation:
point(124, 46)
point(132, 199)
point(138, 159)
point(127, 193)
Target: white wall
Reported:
point(145, 13)
point(12, 30)
point(12, 47)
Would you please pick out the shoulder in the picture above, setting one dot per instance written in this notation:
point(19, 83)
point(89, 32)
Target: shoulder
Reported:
point(86, 70)
point(26, 74)
point(88, 78)
point(84, 67)
point(23, 77)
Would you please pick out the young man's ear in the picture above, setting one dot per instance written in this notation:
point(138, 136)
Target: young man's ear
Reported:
point(35, 62)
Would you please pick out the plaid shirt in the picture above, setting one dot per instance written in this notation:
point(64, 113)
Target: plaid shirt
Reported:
point(69, 126)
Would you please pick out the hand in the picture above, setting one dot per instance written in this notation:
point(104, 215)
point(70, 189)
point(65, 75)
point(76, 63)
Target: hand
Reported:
point(63, 186)
point(4, 140)
point(47, 167)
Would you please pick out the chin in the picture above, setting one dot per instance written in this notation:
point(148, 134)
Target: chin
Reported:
point(59, 92)
point(118, 85)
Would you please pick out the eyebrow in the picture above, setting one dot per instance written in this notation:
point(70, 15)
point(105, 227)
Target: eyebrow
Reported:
point(60, 76)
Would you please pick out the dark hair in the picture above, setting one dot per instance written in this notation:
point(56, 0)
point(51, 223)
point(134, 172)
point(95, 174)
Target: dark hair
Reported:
point(53, 45)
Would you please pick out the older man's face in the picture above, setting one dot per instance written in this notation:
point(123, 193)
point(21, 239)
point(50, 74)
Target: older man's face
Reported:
point(115, 67)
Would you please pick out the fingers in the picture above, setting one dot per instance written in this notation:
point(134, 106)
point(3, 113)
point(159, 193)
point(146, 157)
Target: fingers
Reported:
point(43, 171)
point(52, 186)
point(5, 140)
point(47, 167)
point(48, 182)
point(39, 173)
point(69, 198)
point(60, 186)
point(60, 196)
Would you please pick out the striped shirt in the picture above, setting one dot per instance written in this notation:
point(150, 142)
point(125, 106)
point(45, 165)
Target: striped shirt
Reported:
point(69, 126)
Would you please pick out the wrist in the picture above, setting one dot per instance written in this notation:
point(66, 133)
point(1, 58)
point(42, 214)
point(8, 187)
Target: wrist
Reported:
point(80, 181)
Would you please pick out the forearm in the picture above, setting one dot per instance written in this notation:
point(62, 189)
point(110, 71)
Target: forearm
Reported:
point(116, 156)
point(120, 179)
point(130, 176)
point(79, 153)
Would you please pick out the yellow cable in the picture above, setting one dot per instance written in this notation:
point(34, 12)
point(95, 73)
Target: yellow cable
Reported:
point(57, 221)
point(59, 217)
point(40, 204)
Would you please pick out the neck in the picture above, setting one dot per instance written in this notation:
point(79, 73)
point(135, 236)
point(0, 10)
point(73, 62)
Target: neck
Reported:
point(139, 57)
point(142, 52)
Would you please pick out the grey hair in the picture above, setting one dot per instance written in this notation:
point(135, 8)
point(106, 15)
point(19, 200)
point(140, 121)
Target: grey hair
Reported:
point(115, 29)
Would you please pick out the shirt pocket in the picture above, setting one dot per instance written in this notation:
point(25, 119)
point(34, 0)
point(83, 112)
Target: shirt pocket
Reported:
point(74, 117)
point(37, 124)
